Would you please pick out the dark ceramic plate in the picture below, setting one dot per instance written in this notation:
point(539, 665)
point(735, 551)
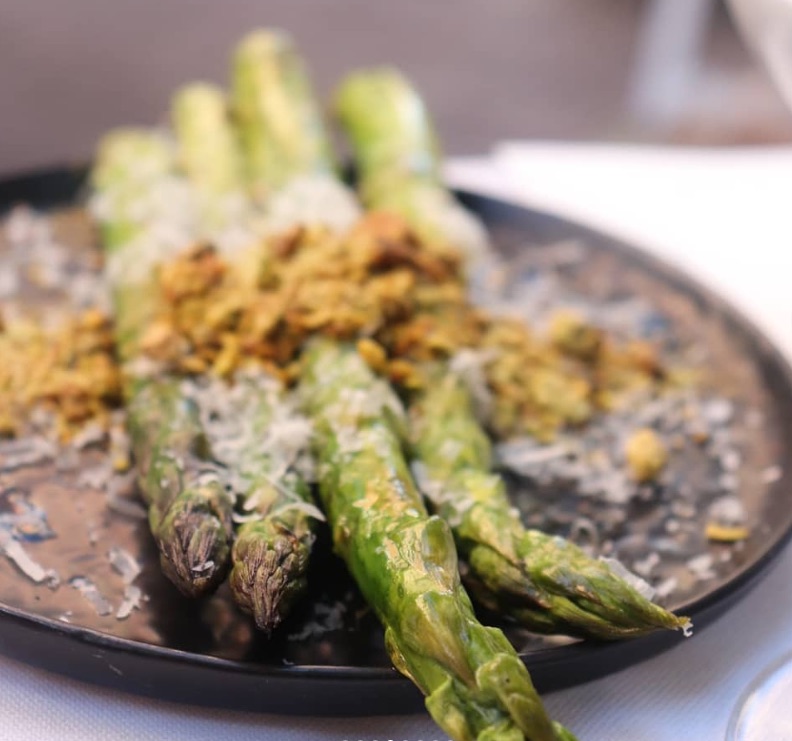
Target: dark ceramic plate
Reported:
point(208, 654)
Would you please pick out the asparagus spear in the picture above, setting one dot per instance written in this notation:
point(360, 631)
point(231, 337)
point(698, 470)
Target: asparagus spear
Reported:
point(261, 439)
point(404, 561)
point(287, 155)
point(210, 160)
point(208, 151)
point(545, 582)
point(398, 158)
point(386, 123)
point(272, 547)
point(463, 667)
point(130, 165)
point(188, 507)
point(278, 120)
point(189, 510)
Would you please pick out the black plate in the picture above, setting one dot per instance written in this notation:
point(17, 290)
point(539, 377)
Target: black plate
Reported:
point(208, 654)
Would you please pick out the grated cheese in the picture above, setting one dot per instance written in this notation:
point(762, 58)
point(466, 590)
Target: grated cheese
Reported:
point(636, 582)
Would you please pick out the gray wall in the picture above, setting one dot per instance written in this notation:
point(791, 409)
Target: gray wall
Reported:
point(69, 69)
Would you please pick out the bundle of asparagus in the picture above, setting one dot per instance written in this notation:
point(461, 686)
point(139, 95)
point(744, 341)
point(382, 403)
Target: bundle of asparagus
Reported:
point(404, 561)
point(545, 582)
point(251, 169)
point(272, 546)
point(192, 524)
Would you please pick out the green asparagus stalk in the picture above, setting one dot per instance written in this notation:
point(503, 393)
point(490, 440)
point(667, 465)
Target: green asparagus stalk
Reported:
point(404, 560)
point(207, 148)
point(386, 123)
point(210, 160)
point(545, 582)
point(130, 163)
point(272, 550)
point(279, 122)
point(262, 442)
point(287, 155)
point(397, 156)
point(189, 511)
point(272, 547)
point(271, 557)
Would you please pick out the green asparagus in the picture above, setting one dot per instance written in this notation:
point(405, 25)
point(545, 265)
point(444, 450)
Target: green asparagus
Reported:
point(398, 158)
point(404, 561)
point(189, 510)
point(263, 441)
point(273, 543)
point(130, 164)
point(386, 122)
point(207, 147)
point(545, 582)
point(278, 120)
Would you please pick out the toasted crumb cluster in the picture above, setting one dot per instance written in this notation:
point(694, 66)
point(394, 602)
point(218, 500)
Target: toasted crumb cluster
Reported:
point(67, 375)
point(646, 454)
point(375, 278)
point(406, 304)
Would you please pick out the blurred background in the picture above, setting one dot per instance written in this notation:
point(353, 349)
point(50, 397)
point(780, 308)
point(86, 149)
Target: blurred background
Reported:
point(610, 70)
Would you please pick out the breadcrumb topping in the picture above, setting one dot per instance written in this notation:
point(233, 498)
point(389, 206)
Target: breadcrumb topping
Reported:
point(67, 374)
point(406, 304)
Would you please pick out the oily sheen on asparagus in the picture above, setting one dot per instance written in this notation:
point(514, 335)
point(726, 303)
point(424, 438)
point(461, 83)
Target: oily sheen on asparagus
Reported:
point(271, 551)
point(465, 677)
point(188, 507)
point(545, 582)
point(404, 560)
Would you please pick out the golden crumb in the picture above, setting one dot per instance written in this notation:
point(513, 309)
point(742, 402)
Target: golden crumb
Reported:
point(646, 454)
point(726, 533)
point(373, 353)
point(404, 303)
point(69, 373)
point(121, 463)
point(157, 339)
point(404, 373)
point(572, 334)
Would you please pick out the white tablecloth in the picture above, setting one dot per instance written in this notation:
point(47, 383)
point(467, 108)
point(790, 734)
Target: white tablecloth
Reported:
point(723, 215)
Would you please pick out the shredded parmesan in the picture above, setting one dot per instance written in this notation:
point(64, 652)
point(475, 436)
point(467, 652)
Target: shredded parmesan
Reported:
point(300, 506)
point(636, 582)
point(316, 199)
point(15, 553)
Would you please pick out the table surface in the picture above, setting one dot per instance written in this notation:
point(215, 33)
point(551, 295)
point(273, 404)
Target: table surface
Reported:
point(687, 692)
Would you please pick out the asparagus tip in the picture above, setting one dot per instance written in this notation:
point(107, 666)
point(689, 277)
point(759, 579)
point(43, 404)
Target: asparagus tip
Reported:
point(194, 544)
point(262, 43)
point(267, 575)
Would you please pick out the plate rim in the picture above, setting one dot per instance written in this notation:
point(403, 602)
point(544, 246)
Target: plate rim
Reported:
point(45, 187)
